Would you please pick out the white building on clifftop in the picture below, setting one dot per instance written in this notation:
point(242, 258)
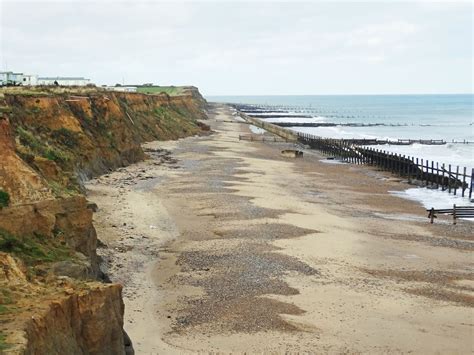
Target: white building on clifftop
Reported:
point(11, 78)
point(63, 81)
point(29, 80)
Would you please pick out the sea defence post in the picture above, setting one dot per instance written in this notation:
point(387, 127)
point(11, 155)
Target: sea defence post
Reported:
point(453, 179)
point(289, 135)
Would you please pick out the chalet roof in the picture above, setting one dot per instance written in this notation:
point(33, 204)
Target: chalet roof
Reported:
point(62, 78)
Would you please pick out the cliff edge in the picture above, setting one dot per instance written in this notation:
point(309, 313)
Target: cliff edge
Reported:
point(51, 297)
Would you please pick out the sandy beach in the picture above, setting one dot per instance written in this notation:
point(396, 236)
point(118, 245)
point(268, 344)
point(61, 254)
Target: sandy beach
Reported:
point(225, 246)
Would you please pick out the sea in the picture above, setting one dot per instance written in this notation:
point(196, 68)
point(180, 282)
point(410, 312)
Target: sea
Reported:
point(446, 117)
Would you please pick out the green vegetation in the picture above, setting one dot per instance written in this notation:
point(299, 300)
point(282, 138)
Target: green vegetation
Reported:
point(170, 90)
point(3, 309)
point(5, 298)
point(29, 140)
point(34, 249)
point(61, 190)
point(42, 91)
point(173, 122)
point(4, 199)
point(55, 155)
point(163, 112)
point(3, 344)
point(66, 137)
point(35, 110)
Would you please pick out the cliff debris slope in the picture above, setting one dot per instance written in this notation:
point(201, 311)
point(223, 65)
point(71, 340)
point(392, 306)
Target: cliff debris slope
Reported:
point(51, 141)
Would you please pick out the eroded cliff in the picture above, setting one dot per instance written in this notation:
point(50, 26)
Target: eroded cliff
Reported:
point(50, 143)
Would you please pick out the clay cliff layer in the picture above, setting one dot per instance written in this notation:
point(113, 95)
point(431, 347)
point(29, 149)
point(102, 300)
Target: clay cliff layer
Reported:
point(50, 143)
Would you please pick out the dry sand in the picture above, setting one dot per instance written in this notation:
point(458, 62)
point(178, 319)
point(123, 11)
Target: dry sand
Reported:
point(232, 248)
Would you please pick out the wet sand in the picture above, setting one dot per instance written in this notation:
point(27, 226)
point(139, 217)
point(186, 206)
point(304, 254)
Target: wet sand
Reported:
point(226, 246)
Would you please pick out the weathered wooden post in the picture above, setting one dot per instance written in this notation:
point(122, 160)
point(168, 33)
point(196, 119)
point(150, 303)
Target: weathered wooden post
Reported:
point(432, 215)
point(427, 172)
point(472, 183)
point(454, 214)
point(400, 170)
point(449, 179)
point(417, 170)
point(437, 175)
point(409, 169)
point(442, 178)
point(403, 164)
point(432, 173)
point(422, 172)
point(457, 179)
point(463, 181)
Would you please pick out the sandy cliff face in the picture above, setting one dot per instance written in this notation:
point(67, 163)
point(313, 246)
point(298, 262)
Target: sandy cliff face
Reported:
point(61, 317)
point(50, 144)
point(88, 321)
point(66, 219)
point(68, 138)
point(16, 176)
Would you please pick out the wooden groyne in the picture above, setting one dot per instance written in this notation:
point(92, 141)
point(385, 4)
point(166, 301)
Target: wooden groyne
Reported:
point(283, 109)
point(431, 174)
point(276, 115)
point(454, 179)
point(456, 212)
point(332, 124)
point(262, 138)
point(287, 134)
point(365, 141)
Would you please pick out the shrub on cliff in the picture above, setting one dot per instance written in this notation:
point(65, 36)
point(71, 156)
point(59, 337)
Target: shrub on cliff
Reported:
point(4, 199)
point(34, 249)
point(3, 345)
point(28, 139)
point(66, 137)
point(55, 155)
point(35, 145)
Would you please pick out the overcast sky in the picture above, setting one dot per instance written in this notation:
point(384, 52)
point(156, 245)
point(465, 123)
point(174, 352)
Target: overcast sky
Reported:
point(247, 48)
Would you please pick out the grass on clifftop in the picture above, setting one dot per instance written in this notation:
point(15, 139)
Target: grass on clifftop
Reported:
point(170, 90)
point(34, 249)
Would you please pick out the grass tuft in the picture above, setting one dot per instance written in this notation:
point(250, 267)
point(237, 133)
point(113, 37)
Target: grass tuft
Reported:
point(4, 199)
point(27, 139)
point(66, 137)
point(3, 344)
point(170, 90)
point(34, 249)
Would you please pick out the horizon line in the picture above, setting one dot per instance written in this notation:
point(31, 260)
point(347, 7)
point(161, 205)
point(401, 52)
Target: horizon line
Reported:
point(365, 94)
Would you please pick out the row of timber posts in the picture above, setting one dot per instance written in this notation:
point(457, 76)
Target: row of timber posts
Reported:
point(430, 174)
